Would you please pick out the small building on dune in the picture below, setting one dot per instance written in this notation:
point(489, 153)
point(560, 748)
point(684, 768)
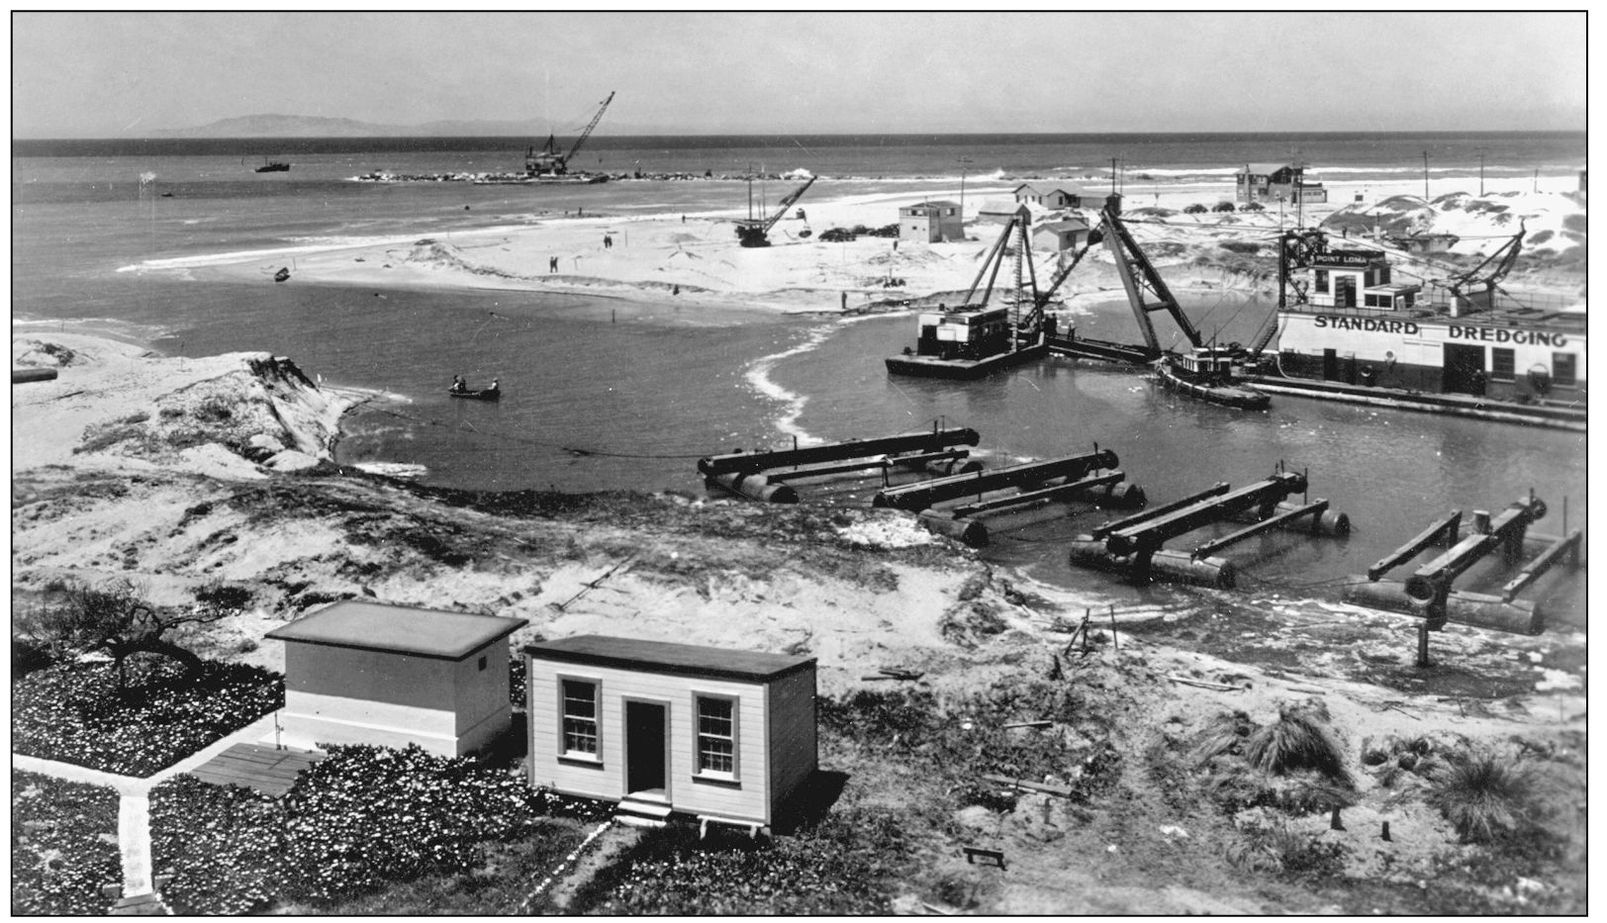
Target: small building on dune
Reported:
point(1050, 197)
point(1000, 211)
point(360, 672)
point(931, 221)
point(1274, 182)
point(1064, 234)
point(726, 736)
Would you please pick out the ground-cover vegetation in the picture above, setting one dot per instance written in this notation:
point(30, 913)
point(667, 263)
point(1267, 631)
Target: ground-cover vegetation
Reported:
point(357, 823)
point(63, 846)
point(76, 712)
point(841, 865)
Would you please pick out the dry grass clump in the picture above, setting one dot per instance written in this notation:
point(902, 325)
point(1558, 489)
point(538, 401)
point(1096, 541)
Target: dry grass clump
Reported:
point(1486, 795)
point(1299, 739)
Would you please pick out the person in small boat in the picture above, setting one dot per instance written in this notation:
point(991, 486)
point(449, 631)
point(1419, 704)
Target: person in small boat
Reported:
point(459, 384)
point(494, 389)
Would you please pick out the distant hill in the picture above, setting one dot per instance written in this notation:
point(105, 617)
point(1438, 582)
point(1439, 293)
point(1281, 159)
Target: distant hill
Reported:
point(312, 126)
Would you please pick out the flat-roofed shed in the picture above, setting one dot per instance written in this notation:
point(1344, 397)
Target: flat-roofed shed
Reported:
point(369, 672)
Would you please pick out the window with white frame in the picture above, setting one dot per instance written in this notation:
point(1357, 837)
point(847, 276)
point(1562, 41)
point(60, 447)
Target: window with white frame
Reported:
point(716, 735)
point(580, 718)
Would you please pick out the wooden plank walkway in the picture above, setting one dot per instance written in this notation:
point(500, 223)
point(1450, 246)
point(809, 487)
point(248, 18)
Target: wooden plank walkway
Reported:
point(257, 766)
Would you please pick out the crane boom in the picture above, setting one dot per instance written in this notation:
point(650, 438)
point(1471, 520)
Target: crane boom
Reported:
point(575, 149)
point(1139, 278)
point(1503, 258)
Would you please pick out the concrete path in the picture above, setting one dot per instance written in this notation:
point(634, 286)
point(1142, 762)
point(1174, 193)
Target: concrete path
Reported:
point(134, 803)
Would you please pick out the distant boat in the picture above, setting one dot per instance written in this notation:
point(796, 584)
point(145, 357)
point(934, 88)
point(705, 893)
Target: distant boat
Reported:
point(484, 394)
point(274, 166)
point(1207, 374)
point(282, 274)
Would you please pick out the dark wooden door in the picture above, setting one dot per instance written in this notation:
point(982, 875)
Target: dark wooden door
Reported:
point(645, 739)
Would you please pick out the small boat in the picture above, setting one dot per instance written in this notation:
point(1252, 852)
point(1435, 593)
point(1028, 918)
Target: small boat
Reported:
point(274, 166)
point(282, 274)
point(1206, 373)
point(484, 394)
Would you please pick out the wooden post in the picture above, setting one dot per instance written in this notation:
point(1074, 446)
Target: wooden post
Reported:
point(1422, 644)
point(1385, 832)
point(1334, 822)
point(1115, 645)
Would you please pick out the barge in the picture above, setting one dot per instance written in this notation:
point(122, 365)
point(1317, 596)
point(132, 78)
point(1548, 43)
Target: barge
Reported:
point(1346, 329)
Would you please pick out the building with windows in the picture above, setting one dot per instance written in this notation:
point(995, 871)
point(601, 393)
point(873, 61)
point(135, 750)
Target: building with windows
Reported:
point(931, 222)
point(723, 735)
point(361, 672)
point(1052, 199)
point(1275, 182)
point(1065, 234)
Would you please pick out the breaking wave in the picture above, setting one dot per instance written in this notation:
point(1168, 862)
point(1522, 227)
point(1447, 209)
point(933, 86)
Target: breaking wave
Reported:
point(758, 375)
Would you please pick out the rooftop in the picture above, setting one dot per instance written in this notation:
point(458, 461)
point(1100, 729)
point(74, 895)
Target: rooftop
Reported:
point(667, 657)
point(400, 629)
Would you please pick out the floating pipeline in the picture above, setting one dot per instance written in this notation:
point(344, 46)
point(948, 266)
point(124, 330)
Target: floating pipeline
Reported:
point(754, 487)
point(916, 497)
point(1329, 523)
point(1165, 564)
point(934, 440)
point(1478, 610)
point(959, 528)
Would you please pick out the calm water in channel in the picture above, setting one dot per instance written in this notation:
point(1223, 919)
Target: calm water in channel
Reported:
point(603, 395)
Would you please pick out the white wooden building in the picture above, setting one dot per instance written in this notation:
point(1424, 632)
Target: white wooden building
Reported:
point(931, 221)
point(360, 672)
point(724, 735)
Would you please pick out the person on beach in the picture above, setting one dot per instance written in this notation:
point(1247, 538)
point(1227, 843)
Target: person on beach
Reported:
point(552, 264)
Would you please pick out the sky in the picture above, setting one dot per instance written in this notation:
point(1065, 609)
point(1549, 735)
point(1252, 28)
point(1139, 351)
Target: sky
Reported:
point(116, 74)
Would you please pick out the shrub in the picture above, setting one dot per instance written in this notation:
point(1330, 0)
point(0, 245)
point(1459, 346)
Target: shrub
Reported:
point(75, 712)
point(367, 815)
point(839, 866)
point(222, 842)
point(223, 596)
point(1299, 739)
point(1195, 209)
point(58, 860)
point(1486, 796)
point(1254, 207)
point(1222, 207)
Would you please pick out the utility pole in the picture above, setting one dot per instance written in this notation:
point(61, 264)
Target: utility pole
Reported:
point(1425, 176)
point(1481, 171)
point(1113, 176)
point(963, 162)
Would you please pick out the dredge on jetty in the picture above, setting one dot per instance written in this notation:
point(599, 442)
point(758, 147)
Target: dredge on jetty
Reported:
point(1134, 548)
point(1428, 593)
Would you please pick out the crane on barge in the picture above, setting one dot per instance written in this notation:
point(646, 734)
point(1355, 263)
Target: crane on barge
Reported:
point(548, 161)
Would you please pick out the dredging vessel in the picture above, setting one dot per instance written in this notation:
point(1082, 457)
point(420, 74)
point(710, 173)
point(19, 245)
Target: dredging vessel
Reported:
point(974, 340)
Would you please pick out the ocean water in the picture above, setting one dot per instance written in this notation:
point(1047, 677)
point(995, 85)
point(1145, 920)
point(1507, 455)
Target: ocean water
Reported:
point(604, 394)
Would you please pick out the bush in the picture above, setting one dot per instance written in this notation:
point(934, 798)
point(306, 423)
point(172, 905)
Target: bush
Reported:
point(1222, 207)
point(222, 842)
point(1299, 739)
point(74, 712)
point(1486, 796)
point(840, 866)
point(58, 860)
point(1254, 207)
point(367, 815)
point(1195, 209)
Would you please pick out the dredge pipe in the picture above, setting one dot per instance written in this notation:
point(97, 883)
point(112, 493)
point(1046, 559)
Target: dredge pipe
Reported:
point(928, 441)
point(1329, 523)
point(755, 487)
point(1165, 565)
point(959, 528)
point(927, 493)
point(1478, 610)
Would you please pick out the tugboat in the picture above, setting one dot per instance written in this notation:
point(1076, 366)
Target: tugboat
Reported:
point(1206, 373)
point(974, 340)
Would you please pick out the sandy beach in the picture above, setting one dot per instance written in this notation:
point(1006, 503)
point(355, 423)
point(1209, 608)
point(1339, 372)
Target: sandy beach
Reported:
point(695, 257)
